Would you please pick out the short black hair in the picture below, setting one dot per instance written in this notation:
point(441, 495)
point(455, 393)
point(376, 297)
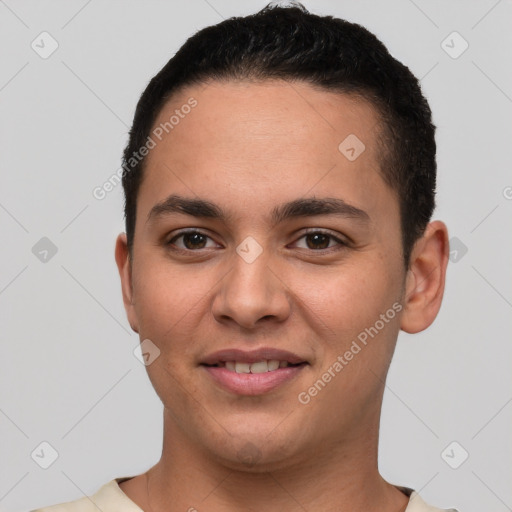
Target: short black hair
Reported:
point(292, 44)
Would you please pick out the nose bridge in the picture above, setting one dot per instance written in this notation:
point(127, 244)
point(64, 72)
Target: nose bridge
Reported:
point(250, 290)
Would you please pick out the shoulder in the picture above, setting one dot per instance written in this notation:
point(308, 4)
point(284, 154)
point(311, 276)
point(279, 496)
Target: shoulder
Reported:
point(417, 504)
point(108, 498)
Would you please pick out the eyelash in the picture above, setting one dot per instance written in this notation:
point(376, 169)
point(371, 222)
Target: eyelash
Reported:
point(341, 244)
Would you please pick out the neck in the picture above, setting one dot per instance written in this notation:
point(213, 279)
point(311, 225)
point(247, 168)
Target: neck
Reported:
point(341, 477)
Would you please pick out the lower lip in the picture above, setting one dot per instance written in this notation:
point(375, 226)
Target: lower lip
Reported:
point(252, 383)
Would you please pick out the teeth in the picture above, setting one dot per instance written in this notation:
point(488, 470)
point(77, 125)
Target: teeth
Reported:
point(242, 368)
point(258, 367)
point(273, 365)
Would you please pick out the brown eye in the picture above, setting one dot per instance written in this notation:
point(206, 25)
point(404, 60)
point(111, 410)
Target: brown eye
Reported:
point(191, 240)
point(320, 240)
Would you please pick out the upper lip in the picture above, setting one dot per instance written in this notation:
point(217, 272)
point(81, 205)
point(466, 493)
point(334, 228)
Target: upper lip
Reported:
point(252, 356)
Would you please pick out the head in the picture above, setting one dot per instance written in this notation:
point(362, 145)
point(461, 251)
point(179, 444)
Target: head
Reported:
point(300, 157)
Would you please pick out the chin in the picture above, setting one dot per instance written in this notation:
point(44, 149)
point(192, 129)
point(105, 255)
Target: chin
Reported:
point(256, 452)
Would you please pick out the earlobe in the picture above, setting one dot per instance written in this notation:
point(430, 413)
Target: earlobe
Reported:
point(425, 279)
point(125, 273)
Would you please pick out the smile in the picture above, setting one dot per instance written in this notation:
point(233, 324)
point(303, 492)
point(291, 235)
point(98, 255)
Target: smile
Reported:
point(257, 367)
point(252, 378)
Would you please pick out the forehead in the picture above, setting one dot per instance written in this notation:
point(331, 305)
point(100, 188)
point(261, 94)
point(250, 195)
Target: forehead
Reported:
point(243, 116)
point(266, 139)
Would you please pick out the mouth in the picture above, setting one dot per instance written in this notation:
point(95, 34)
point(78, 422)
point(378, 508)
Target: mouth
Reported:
point(262, 366)
point(253, 372)
point(272, 357)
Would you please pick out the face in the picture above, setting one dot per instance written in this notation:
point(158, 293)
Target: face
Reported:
point(321, 280)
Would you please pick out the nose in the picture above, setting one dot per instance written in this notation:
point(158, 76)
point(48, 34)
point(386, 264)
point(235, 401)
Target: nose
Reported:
point(251, 294)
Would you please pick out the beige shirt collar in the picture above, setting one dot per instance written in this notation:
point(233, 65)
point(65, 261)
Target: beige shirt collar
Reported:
point(110, 498)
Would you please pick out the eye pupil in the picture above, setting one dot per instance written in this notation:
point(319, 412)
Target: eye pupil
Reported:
point(318, 237)
point(195, 238)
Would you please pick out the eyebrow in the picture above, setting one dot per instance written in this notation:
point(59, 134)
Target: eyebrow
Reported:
point(302, 207)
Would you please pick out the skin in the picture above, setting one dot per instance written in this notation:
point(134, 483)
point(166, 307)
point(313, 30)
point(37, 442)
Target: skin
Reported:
point(249, 147)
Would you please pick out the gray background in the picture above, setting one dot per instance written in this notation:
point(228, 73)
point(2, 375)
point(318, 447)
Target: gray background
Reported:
point(68, 372)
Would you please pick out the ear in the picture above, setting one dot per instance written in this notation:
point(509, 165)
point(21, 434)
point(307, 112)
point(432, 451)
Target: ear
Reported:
point(124, 266)
point(425, 279)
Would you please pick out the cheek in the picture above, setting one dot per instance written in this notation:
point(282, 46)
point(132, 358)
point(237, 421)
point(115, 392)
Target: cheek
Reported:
point(167, 298)
point(356, 317)
point(348, 297)
point(168, 302)
point(345, 314)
